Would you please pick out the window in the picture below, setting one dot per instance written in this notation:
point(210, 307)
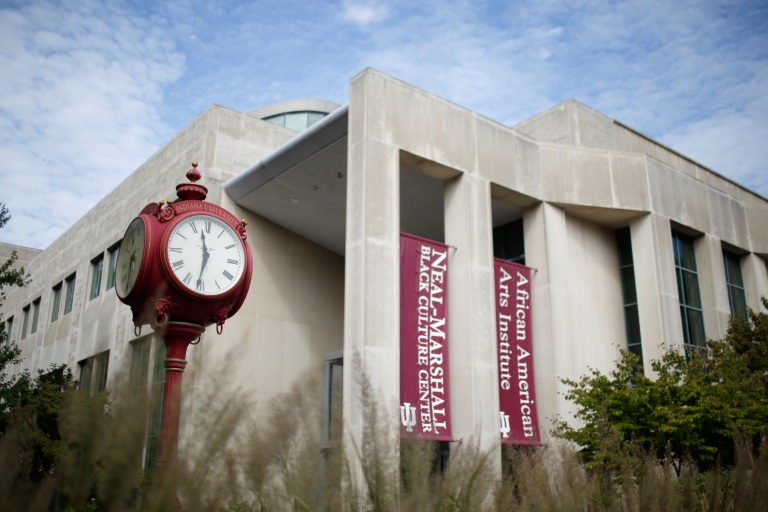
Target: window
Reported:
point(56, 302)
point(24, 322)
point(297, 121)
point(9, 331)
point(156, 419)
point(629, 292)
point(93, 373)
point(509, 243)
point(735, 283)
point(35, 315)
point(97, 265)
point(333, 386)
point(688, 290)
point(113, 251)
point(70, 282)
point(140, 362)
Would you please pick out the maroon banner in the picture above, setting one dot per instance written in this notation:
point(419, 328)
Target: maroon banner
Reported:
point(425, 411)
point(518, 420)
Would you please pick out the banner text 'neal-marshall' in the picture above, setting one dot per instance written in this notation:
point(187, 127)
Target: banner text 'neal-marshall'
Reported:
point(431, 339)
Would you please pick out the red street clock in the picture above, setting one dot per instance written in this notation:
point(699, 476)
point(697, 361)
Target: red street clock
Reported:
point(182, 266)
point(186, 261)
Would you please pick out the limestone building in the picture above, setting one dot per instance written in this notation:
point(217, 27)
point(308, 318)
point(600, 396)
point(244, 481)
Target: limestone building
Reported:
point(633, 245)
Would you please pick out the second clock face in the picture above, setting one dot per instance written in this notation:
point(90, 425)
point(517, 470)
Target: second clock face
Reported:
point(205, 254)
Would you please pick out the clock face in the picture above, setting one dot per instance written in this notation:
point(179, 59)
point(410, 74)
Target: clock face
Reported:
point(129, 258)
point(205, 254)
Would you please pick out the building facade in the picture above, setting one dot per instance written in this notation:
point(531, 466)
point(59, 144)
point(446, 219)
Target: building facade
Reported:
point(632, 245)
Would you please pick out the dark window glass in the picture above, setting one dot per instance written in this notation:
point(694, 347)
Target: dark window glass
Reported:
point(113, 252)
point(35, 315)
point(509, 242)
point(156, 421)
point(688, 290)
point(24, 322)
point(297, 121)
point(629, 292)
point(97, 266)
point(93, 373)
point(9, 331)
point(70, 296)
point(735, 283)
point(313, 117)
point(140, 363)
point(56, 306)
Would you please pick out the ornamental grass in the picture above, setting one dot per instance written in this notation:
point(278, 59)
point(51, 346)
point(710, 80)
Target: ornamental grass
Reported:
point(233, 461)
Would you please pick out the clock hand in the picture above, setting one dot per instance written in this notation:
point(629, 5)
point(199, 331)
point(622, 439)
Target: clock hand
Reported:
point(206, 255)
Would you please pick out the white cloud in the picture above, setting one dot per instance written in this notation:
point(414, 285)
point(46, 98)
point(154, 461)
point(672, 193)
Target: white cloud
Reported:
point(363, 13)
point(79, 97)
point(88, 92)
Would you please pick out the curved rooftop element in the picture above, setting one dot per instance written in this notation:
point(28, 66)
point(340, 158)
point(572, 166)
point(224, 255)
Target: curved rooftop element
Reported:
point(297, 115)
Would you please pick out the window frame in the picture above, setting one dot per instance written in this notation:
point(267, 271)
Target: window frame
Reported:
point(679, 239)
point(330, 360)
point(113, 252)
point(25, 321)
point(56, 301)
point(69, 298)
point(97, 270)
point(9, 330)
point(627, 263)
point(731, 285)
point(95, 366)
point(157, 395)
point(35, 315)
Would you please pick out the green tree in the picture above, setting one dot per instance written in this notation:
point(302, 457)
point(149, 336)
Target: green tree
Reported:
point(10, 387)
point(694, 408)
point(33, 403)
point(8, 276)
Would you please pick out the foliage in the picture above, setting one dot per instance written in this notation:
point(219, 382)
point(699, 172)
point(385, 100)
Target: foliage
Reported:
point(690, 410)
point(280, 466)
point(9, 276)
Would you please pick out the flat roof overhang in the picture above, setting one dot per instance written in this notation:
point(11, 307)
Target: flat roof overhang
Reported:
point(302, 185)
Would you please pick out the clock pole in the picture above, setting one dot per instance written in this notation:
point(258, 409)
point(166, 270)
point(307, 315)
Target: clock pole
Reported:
point(177, 336)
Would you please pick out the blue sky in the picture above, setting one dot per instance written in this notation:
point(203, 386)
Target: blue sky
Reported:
point(91, 89)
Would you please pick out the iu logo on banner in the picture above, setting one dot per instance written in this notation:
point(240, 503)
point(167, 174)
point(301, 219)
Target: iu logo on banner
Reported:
point(425, 412)
point(518, 420)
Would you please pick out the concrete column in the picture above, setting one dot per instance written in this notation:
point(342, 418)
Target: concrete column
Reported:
point(546, 250)
point(712, 283)
point(755, 275)
point(471, 314)
point(657, 299)
point(372, 281)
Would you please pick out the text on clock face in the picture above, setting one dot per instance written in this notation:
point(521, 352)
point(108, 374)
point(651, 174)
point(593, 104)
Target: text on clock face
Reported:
point(205, 254)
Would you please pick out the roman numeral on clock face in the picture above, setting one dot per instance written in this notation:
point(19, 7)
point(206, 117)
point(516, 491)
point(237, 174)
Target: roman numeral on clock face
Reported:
point(227, 275)
point(233, 262)
point(229, 247)
point(188, 278)
point(175, 249)
point(178, 264)
point(200, 286)
point(208, 226)
point(192, 225)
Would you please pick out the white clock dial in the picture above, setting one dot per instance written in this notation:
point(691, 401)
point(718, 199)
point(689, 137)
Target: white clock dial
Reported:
point(129, 258)
point(205, 254)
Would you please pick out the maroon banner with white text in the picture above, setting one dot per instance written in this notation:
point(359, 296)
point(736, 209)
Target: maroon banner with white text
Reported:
point(425, 412)
point(518, 420)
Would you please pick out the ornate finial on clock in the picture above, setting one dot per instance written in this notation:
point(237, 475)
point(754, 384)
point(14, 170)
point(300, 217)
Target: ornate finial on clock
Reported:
point(192, 190)
point(193, 174)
